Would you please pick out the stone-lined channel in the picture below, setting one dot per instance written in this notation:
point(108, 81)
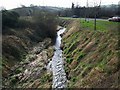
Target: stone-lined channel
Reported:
point(57, 64)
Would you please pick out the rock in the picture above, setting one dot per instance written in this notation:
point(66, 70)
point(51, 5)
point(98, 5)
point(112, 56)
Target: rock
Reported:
point(37, 50)
point(31, 57)
point(61, 46)
point(50, 52)
point(59, 27)
point(61, 35)
point(44, 56)
point(49, 67)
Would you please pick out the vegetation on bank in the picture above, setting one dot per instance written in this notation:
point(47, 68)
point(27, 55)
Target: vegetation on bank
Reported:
point(91, 56)
point(31, 72)
point(22, 33)
point(44, 21)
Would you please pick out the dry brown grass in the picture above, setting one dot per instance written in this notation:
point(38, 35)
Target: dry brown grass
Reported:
point(89, 46)
point(73, 29)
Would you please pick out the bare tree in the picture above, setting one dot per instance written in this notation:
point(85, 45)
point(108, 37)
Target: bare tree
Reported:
point(73, 8)
point(22, 5)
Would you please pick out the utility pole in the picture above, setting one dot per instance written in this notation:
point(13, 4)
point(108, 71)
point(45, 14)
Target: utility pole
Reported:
point(95, 20)
point(96, 7)
point(86, 11)
point(73, 8)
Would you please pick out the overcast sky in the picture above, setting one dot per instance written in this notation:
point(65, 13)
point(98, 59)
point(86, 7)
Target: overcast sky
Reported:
point(9, 4)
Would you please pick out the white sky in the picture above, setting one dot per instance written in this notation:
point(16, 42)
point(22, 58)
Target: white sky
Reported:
point(9, 4)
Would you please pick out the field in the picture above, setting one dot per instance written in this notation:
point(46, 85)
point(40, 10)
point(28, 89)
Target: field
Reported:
point(101, 25)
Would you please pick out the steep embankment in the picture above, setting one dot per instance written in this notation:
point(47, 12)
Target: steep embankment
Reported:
point(21, 34)
point(26, 49)
point(31, 72)
point(91, 57)
point(15, 45)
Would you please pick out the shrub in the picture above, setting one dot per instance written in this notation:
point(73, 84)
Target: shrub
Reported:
point(39, 27)
point(9, 18)
point(47, 22)
point(23, 24)
point(12, 51)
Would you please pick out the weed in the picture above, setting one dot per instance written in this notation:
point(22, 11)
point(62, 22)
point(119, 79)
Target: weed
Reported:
point(73, 79)
point(80, 56)
point(69, 60)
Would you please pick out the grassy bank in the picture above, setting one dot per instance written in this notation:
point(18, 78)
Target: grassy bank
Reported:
point(91, 56)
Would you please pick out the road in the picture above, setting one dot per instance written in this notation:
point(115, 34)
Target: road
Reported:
point(96, 19)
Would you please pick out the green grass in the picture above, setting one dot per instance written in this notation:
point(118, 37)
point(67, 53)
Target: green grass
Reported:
point(80, 56)
point(101, 25)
